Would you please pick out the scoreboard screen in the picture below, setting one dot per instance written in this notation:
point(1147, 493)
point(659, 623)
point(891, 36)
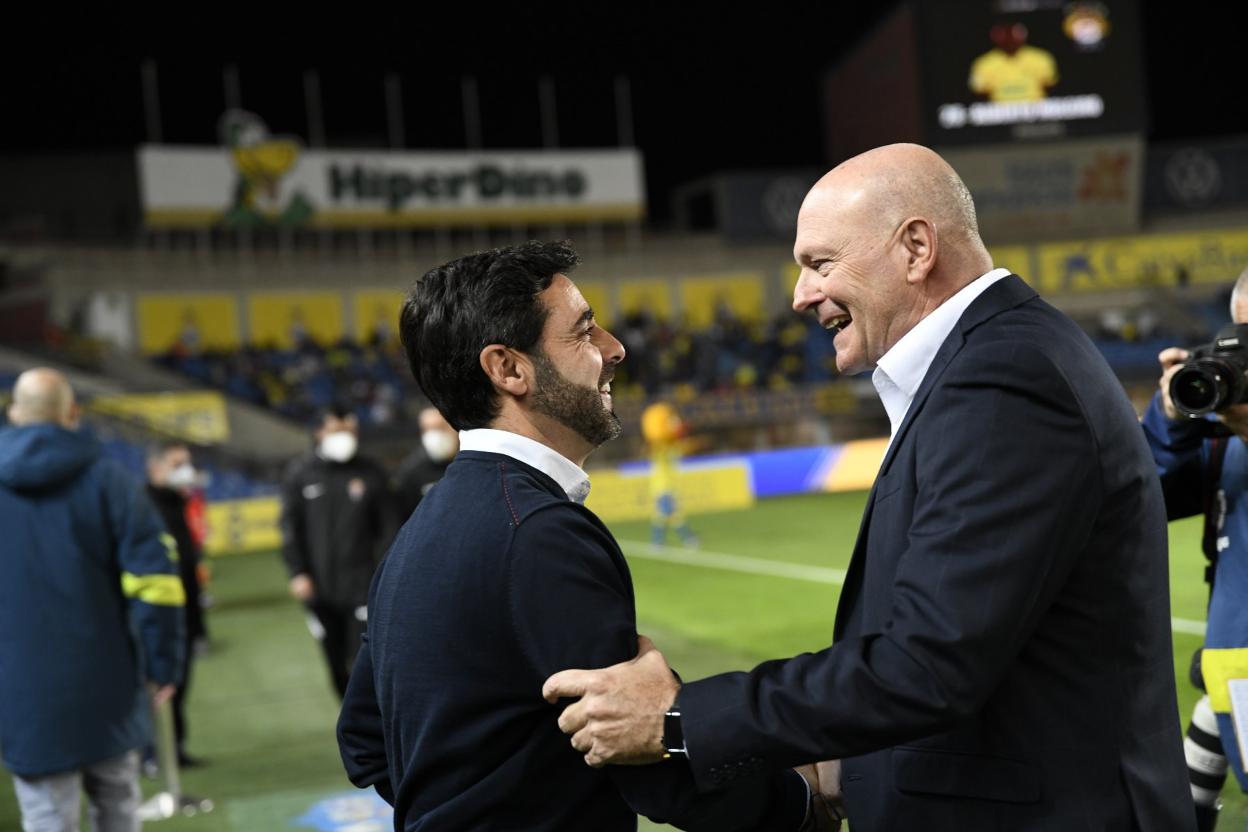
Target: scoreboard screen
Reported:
point(1006, 70)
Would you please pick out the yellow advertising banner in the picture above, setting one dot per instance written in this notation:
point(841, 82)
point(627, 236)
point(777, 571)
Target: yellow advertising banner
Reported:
point(856, 467)
point(236, 526)
point(742, 294)
point(376, 313)
point(1142, 261)
point(198, 417)
point(1015, 258)
point(193, 322)
point(599, 300)
point(647, 294)
point(699, 489)
point(789, 273)
point(285, 319)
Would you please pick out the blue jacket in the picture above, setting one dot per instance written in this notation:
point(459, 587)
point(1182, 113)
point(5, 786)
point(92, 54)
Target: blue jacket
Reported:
point(496, 582)
point(1182, 452)
point(90, 603)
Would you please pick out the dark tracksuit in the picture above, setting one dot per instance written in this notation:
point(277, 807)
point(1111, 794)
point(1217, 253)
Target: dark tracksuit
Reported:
point(412, 482)
point(337, 521)
point(172, 507)
point(90, 604)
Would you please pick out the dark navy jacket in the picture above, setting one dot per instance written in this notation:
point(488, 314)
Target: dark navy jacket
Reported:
point(1003, 657)
point(498, 581)
point(90, 603)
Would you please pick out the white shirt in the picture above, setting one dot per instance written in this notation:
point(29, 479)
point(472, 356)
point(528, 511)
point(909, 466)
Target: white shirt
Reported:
point(571, 478)
point(900, 371)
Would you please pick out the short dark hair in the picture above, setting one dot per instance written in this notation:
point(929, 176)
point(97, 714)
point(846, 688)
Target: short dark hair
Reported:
point(457, 309)
point(160, 447)
point(337, 409)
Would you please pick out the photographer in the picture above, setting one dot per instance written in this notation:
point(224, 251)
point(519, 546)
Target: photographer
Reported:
point(1203, 464)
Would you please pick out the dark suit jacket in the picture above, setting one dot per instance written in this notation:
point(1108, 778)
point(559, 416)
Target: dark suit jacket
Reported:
point(498, 581)
point(1002, 656)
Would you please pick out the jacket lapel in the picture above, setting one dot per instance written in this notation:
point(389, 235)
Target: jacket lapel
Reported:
point(1002, 295)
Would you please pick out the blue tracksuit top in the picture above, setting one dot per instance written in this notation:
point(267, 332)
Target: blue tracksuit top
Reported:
point(90, 603)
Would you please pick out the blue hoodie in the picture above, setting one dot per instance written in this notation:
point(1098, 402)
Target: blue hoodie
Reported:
point(90, 603)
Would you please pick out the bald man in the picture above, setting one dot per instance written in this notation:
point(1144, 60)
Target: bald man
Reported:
point(90, 610)
point(1002, 656)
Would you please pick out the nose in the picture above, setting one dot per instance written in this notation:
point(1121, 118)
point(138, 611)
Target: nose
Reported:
point(610, 347)
point(805, 293)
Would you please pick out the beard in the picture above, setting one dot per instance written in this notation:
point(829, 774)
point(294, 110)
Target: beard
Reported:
point(579, 408)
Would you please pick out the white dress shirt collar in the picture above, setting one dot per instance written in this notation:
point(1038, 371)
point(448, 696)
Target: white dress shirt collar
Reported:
point(571, 478)
point(900, 371)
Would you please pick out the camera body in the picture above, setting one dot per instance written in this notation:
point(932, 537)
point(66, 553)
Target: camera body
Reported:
point(1215, 376)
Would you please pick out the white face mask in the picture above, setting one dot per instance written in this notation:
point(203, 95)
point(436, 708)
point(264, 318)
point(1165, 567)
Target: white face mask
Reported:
point(183, 476)
point(339, 446)
point(439, 444)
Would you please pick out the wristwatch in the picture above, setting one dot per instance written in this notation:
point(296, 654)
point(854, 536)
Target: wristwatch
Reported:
point(673, 735)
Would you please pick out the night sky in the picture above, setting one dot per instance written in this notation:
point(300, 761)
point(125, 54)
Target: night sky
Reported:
point(713, 86)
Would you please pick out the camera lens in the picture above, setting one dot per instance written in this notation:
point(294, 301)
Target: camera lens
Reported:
point(1196, 391)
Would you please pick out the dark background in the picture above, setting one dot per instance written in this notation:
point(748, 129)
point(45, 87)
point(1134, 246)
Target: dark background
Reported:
point(714, 87)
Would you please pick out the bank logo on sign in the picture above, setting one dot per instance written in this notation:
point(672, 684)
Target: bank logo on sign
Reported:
point(261, 162)
point(349, 812)
point(1193, 176)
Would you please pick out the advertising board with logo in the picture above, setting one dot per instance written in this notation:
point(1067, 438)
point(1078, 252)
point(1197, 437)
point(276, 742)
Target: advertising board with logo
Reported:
point(257, 180)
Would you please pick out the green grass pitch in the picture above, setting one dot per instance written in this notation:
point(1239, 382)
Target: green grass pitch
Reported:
point(262, 712)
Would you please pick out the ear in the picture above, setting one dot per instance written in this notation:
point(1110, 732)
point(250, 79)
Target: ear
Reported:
point(507, 370)
point(74, 417)
point(918, 239)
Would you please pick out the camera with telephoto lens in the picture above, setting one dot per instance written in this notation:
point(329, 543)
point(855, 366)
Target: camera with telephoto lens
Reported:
point(1215, 375)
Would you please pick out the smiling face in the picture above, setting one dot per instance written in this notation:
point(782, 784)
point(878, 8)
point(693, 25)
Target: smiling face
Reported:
point(574, 366)
point(853, 276)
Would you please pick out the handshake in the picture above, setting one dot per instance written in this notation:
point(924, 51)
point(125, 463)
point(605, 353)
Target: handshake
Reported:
point(826, 810)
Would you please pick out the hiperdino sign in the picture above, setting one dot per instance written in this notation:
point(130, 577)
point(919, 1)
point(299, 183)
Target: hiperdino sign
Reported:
point(276, 183)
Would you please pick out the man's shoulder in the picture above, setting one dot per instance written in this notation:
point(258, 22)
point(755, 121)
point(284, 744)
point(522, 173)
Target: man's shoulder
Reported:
point(520, 490)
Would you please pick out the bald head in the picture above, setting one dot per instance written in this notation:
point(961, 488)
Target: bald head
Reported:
point(890, 184)
point(43, 396)
point(882, 241)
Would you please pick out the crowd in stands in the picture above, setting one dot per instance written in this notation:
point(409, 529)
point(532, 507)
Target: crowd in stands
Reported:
point(373, 379)
point(664, 358)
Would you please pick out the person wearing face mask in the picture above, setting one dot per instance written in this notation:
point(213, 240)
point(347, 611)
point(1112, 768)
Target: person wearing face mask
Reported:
point(337, 522)
point(422, 469)
point(170, 478)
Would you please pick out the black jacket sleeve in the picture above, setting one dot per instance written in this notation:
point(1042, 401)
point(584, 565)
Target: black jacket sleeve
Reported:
point(294, 530)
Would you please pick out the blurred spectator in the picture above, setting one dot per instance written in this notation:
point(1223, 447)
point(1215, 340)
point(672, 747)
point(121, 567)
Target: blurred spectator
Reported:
point(666, 437)
point(425, 466)
point(90, 607)
point(337, 522)
point(171, 477)
point(729, 354)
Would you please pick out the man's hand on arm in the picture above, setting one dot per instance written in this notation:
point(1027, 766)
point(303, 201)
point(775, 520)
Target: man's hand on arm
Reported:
point(619, 717)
